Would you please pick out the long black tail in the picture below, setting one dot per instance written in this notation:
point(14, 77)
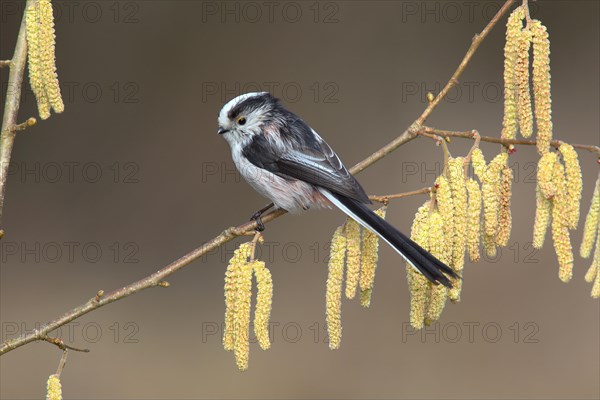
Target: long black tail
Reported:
point(419, 258)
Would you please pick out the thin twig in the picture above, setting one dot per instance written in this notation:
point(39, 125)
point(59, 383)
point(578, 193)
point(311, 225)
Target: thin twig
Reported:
point(506, 142)
point(4, 63)
point(231, 233)
point(384, 199)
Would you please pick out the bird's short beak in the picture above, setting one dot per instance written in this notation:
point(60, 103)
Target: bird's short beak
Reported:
point(222, 130)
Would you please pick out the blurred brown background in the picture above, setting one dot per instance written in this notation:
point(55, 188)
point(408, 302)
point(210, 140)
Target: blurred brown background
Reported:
point(133, 175)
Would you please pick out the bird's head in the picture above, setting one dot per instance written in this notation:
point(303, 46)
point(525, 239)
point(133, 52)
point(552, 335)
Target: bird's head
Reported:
point(243, 117)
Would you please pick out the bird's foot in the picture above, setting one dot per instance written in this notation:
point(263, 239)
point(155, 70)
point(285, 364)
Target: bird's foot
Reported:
point(260, 226)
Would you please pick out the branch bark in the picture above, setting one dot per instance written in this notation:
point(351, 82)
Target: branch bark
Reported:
point(243, 229)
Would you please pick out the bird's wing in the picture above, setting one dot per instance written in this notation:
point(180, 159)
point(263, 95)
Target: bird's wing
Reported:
point(307, 157)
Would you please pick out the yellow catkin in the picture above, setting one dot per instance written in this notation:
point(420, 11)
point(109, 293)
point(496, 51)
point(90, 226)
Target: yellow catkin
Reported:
point(264, 300)
point(53, 388)
point(596, 266)
point(596, 287)
point(590, 275)
point(457, 178)
point(48, 40)
point(592, 221)
point(369, 257)
point(42, 58)
point(513, 29)
point(34, 59)
point(418, 285)
point(242, 317)
point(232, 276)
point(334, 288)
point(574, 183)
point(543, 211)
point(478, 163)
point(560, 230)
point(541, 85)
point(438, 293)
point(365, 297)
point(489, 245)
point(544, 174)
point(445, 205)
point(230, 296)
point(352, 257)
point(504, 213)
point(473, 220)
point(491, 191)
point(525, 112)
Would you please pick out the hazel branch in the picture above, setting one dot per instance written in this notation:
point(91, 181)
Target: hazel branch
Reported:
point(506, 142)
point(11, 106)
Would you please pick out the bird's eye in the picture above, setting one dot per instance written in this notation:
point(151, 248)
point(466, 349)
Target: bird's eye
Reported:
point(241, 121)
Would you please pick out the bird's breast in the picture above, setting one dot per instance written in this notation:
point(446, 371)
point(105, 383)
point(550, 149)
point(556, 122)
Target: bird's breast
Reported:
point(292, 195)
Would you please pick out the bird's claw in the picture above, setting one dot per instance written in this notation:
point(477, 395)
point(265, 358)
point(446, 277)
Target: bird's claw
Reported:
point(260, 226)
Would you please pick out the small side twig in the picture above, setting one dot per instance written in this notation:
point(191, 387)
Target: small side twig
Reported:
point(477, 138)
point(384, 199)
point(4, 63)
point(62, 345)
point(258, 238)
point(24, 125)
point(62, 362)
point(527, 13)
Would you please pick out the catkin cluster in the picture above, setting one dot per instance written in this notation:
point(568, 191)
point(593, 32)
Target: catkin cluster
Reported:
point(357, 254)
point(53, 388)
point(558, 196)
point(446, 226)
point(238, 294)
point(591, 234)
point(41, 57)
point(518, 110)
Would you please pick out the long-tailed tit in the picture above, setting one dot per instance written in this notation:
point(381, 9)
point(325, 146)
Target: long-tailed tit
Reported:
point(286, 161)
